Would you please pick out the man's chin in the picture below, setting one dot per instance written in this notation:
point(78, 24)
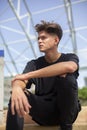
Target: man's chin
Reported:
point(42, 50)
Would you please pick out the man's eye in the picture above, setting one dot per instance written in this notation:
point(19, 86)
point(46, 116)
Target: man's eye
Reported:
point(43, 38)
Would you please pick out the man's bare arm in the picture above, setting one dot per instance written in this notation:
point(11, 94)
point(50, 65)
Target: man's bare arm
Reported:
point(52, 70)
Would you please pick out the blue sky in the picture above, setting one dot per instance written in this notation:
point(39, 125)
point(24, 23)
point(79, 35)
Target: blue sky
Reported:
point(50, 10)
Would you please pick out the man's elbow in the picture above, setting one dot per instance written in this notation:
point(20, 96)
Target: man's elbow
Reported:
point(72, 67)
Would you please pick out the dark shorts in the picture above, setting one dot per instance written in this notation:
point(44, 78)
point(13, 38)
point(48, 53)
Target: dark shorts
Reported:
point(50, 111)
point(43, 110)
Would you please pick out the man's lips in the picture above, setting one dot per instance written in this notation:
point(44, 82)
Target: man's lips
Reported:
point(40, 45)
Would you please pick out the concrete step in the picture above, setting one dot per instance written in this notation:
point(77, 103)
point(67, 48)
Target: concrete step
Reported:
point(75, 127)
point(80, 123)
point(36, 127)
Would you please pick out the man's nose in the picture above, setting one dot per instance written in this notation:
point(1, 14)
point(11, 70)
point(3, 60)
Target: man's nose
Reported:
point(39, 40)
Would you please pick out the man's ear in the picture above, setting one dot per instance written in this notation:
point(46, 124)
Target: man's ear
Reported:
point(56, 40)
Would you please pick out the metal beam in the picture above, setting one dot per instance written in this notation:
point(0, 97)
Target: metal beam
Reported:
point(9, 71)
point(29, 14)
point(4, 42)
point(57, 7)
point(22, 26)
point(68, 9)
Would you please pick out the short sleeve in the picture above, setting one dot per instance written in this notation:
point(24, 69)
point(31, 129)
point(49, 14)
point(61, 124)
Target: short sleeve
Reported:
point(28, 68)
point(73, 57)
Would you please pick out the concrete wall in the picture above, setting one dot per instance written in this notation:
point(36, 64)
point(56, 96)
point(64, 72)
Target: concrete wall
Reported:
point(1, 85)
point(7, 90)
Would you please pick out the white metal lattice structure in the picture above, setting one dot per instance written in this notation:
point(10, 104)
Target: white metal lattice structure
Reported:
point(18, 37)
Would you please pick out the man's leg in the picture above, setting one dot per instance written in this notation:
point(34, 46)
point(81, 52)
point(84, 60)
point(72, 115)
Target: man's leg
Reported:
point(13, 122)
point(43, 110)
point(67, 102)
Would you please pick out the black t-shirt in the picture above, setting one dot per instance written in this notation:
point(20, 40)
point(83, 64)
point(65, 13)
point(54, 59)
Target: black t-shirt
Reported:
point(47, 85)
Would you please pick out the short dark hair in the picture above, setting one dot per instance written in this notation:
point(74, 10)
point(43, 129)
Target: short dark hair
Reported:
point(50, 27)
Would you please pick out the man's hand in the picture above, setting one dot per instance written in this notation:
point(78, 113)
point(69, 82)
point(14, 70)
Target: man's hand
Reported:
point(19, 102)
point(23, 77)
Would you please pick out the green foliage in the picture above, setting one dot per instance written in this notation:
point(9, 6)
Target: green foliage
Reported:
point(82, 93)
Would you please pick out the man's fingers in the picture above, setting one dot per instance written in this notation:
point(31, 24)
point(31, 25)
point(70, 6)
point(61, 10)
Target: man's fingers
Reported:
point(12, 107)
point(26, 104)
point(19, 103)
point(22, 111)
point(17, 107)
point(15, 78)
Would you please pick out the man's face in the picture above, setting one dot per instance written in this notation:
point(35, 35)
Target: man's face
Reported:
point(47, 41)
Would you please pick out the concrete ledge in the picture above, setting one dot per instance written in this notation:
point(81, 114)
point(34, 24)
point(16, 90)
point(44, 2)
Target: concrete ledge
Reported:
point(35, 127)
point(75, 127)
point(82, 117)
point(80, 123)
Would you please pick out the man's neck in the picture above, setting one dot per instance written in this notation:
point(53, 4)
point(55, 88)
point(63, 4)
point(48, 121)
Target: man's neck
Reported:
point(52, 57)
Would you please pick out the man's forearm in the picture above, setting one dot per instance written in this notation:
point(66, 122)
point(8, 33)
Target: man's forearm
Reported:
point(53, 70)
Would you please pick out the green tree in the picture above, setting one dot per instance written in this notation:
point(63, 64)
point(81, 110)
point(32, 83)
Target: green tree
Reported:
point(82, 93)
